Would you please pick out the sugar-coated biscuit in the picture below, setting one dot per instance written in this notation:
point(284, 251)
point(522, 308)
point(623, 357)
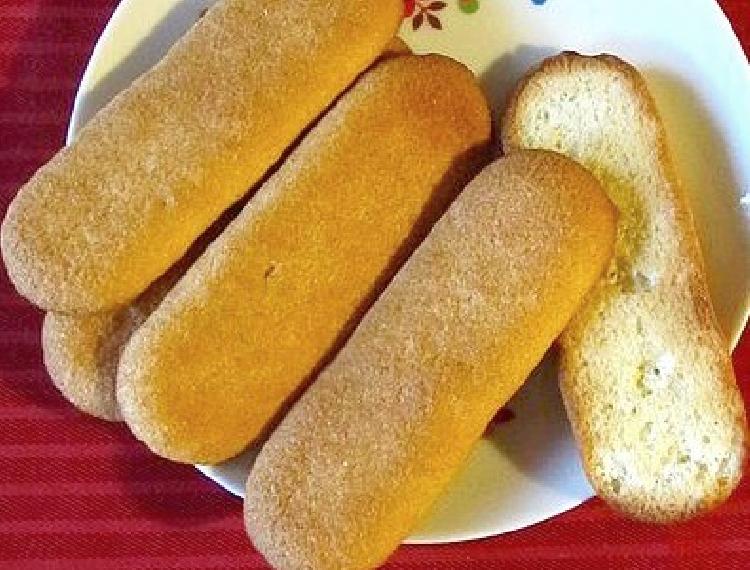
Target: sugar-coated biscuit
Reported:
point(271, 299)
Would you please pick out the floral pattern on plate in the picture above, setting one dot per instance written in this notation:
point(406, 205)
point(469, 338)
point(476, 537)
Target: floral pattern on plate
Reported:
point(427, 12)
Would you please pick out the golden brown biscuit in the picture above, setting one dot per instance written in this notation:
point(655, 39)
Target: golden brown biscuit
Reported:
point(159, 164)
point(276, 293)
point(362, 456)
point(81, 352)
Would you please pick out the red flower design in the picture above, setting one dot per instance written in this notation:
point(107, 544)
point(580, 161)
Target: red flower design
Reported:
point(423, 11)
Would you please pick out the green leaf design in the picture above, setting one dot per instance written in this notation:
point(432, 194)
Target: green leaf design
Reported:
point(468, 6)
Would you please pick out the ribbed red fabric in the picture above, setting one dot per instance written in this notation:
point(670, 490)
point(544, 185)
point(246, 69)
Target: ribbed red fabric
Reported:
point(78, 493)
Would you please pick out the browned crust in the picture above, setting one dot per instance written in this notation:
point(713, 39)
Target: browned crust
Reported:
point(571, 61)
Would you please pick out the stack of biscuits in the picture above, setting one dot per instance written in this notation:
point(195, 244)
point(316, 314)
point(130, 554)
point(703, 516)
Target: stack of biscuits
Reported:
point(294, 232)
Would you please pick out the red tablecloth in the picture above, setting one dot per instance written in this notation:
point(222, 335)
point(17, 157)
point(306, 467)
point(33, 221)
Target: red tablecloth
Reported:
point(79, 493)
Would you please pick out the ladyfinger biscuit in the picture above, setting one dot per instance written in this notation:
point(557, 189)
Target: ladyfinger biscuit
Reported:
point(274, 295)
point(647, 375)
point(161, 162)
point(362, 456)
point(81, 352)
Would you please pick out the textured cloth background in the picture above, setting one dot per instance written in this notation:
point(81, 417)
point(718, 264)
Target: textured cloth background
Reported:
point(78, 493)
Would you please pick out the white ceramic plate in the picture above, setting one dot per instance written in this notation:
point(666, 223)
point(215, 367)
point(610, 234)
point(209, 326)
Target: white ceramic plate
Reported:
point(528, 470)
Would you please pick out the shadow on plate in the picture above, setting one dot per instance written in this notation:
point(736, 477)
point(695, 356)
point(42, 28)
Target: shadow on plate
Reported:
point(499, 80)
point(539, 441)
